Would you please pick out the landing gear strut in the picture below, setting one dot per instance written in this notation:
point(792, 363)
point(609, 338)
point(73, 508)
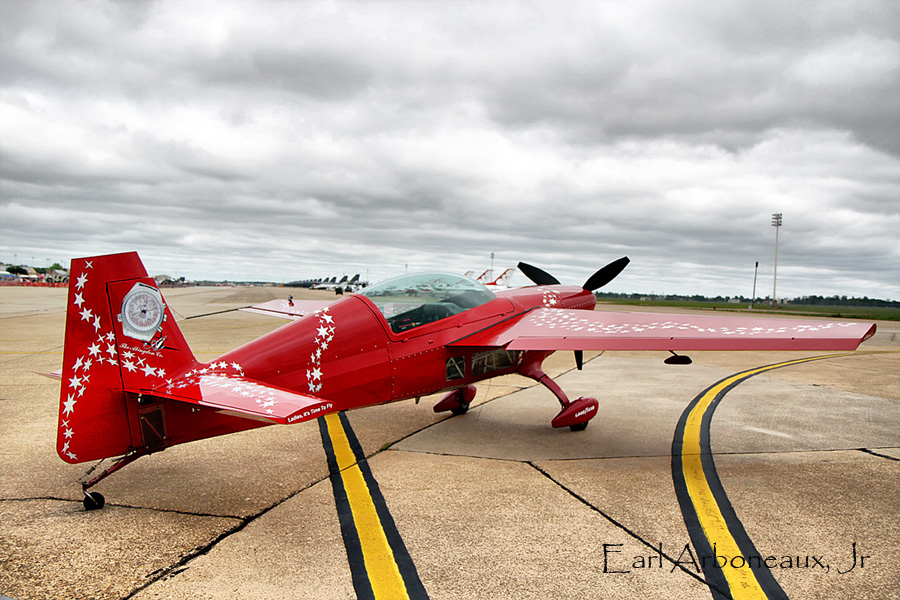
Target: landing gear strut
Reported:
point(575, 414)
point(95, 500)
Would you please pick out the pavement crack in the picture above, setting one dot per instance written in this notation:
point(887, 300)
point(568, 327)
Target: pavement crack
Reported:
point(36, 498)
point(186, 513)
point(181, 565)
point(878, 454)
point(623, 527)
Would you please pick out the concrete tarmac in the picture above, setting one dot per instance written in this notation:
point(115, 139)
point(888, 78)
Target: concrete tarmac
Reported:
point(490, 504)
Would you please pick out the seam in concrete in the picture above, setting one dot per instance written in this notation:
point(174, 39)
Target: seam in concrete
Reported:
point(182, 564)
point(619, 525)
point(632, 456)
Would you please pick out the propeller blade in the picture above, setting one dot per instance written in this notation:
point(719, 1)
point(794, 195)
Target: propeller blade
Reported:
point(605, 275)
point(539, 276)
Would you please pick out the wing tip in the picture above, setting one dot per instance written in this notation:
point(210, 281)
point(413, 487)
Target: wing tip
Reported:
point(869, 333)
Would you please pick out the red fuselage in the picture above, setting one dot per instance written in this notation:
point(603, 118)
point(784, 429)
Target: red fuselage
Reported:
point(348, 353)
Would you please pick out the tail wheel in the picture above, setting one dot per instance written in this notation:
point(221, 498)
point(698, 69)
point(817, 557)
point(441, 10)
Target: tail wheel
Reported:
point(93, 501)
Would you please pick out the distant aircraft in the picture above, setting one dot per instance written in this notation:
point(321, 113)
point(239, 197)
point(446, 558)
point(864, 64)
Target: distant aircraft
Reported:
point(330, 284)
point(495, 284)
point(341, 286)
point(131, 385)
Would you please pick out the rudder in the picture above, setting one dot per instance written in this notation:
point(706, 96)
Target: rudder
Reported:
point(120, 339)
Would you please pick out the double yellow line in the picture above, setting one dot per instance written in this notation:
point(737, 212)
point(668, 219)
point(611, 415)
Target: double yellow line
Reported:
point(715, 529)
point(380, 564)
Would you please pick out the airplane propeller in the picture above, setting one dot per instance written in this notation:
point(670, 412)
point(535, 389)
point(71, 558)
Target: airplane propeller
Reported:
point(594, 282)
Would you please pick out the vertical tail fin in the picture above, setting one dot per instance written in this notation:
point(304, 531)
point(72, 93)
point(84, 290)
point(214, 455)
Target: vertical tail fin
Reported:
point(120, 337)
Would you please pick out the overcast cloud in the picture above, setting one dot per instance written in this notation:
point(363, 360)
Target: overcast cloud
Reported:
point(288, 140)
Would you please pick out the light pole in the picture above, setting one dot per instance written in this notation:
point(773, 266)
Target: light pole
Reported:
point(753, 297)
point(776, 223)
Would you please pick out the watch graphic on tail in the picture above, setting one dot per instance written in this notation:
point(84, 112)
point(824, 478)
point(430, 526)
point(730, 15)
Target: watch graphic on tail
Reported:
point(143, 312)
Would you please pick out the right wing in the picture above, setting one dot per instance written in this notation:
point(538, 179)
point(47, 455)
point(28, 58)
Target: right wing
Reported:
point(569, 329)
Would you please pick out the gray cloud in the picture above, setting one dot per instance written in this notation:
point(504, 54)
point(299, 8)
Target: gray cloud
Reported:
point(283, 140)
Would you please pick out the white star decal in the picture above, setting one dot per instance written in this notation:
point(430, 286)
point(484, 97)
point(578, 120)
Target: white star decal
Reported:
point(79, 299)
point(82, 279)
point(69, 405)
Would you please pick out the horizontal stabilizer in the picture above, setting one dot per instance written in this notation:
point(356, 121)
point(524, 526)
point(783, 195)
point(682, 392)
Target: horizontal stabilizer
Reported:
point(54, 375)
point(562, 329)
point(243, 397)
point(285, 309)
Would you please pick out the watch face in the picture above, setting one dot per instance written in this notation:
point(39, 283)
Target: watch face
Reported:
point(143, 310)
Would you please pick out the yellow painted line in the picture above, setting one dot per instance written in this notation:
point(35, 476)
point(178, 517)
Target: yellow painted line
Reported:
point(741, 580)
point(384, 574)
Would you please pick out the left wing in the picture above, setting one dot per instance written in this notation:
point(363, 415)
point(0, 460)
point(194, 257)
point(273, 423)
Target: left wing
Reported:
point(567, 329)
point(285, 309)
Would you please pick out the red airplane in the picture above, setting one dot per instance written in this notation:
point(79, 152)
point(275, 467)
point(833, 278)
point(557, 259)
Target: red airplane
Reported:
point(131, 385)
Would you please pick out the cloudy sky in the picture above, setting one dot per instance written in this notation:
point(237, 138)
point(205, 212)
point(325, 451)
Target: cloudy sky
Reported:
point(288, 140)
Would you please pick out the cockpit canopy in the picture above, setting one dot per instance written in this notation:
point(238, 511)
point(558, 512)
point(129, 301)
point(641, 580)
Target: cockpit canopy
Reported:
point(413, 300)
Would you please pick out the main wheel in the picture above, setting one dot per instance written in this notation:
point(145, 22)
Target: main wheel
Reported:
point(460, 410)
point(93, 501)
point(579, 426)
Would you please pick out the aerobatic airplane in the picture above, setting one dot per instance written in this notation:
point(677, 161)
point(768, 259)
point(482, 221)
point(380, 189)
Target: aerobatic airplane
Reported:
point(131, 385)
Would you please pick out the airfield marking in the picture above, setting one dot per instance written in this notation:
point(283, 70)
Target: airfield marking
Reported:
point(380, 564)
point(715, 530)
